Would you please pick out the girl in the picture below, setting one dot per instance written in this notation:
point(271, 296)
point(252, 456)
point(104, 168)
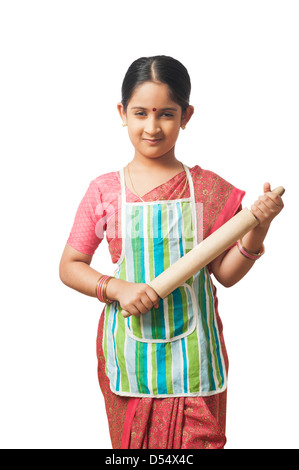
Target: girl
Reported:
point(162, 370)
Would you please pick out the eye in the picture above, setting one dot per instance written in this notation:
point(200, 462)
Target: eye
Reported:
point(167, 115)
point(140, 113)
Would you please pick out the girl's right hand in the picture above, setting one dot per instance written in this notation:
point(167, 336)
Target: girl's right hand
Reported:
point(135, 298)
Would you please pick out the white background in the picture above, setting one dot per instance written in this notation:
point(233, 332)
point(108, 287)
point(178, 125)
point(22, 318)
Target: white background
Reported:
point(62, 64)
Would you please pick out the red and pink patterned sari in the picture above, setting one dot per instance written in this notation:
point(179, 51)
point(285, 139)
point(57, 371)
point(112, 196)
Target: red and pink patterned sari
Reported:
point(156, 423)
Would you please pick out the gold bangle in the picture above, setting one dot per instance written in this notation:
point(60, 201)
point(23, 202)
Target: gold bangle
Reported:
point(107, 301)
point(98, 284)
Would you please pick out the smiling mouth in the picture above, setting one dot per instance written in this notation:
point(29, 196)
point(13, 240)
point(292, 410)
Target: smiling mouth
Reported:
point(152, 141)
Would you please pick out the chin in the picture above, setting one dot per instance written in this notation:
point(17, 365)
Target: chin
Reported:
point(157, 154)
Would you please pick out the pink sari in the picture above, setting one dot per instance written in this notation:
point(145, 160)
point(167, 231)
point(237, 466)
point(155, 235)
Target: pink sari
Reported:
point(155, 423)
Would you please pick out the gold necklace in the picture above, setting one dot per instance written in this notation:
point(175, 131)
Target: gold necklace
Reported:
point(128, 166)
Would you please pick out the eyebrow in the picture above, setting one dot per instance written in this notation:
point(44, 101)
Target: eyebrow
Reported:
point(163, 109)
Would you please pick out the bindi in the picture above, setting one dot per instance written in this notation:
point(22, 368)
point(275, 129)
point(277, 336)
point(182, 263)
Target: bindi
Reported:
point(154, 109)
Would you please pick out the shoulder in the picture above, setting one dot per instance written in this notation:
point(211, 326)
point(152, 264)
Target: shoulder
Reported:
point(104, 182)
point(201, 174)
point(105, 185)
point(209, 183)
point(220, 199)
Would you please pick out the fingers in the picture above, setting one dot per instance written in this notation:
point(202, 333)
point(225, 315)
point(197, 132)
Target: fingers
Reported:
point(267, 187)
point(271, 201)
point(148, 300)
point(142, 299)
point(267, 206)
point(144, 304)
point(155, 299)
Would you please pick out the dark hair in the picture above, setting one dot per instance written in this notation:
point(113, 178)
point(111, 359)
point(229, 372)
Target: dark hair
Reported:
point(162, 69)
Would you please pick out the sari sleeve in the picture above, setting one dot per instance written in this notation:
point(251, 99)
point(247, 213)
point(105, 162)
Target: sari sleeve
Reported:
point(231, 207)
point(225, 201)
point(90, 222)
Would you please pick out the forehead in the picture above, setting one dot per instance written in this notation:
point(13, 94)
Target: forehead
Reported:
point(151, 94)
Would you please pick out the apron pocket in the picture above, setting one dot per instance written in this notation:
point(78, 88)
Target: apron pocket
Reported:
point(173, 319)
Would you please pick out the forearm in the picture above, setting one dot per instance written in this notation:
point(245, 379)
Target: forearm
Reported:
point(233, 266)
point(80, 276)
point(75, 272)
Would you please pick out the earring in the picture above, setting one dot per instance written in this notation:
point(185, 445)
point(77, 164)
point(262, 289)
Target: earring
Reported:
point(183, 127)
point(124, 124)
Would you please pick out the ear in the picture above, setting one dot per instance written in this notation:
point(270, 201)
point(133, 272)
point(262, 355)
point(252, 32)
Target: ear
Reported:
point(122, 113)
point(186, 116)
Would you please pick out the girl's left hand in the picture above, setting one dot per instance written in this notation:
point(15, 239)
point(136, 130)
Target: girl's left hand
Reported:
point(267, 207)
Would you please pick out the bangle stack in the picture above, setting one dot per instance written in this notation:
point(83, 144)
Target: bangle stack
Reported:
point(250, 254)
point(101, 289)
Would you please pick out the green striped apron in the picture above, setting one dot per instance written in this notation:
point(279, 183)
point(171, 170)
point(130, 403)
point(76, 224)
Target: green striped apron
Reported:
point(172, 350)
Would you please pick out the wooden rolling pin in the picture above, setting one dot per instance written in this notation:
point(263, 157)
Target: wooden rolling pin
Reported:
point(205, 252)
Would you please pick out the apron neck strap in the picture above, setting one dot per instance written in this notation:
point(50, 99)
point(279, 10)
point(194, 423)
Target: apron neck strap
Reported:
point(190, 181)
point(123, 185)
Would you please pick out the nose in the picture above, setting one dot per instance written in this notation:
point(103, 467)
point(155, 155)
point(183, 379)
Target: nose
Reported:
point(152, 126)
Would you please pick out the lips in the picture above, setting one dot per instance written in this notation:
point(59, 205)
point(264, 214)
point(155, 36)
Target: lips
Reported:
point(152, 141)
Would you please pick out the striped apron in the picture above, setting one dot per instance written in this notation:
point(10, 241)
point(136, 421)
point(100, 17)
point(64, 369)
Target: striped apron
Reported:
point(175, 349)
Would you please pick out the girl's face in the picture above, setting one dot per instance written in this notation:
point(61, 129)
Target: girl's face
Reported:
point(153, 120)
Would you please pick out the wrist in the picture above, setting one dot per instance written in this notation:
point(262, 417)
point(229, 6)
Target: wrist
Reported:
point(262, 229)
point(113, 288)
point(253, 241)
